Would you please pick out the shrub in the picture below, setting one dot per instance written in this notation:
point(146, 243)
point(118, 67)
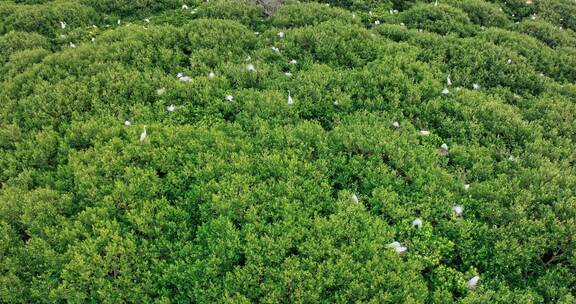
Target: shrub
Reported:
point(310, 14)
point(13, 42)
point(441, 19)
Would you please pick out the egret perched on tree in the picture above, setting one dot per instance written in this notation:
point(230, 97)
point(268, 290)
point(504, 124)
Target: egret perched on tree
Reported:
point(147, 20)
point(448, 81)
point(92, 39)
point(184, 6)
point(62, 24)
point(466, 187)
point(211, 75)
point(127, 123)
point(509, 61)
point(443, 150)
point(143, 135)
point(424, 133)
point(171, 108)
point(281, 34)
point(288, 74)
point(397, 247)
point(476, 86)
point(229, 97)
point(290, 100)
point(473, 282)
point(160, 91)
point(293, 61)
point(396, 125)
point(445, 91)
point(417, 222)
point(354, 198)
point(250, 67)
point(72, 45)
point(275, 49)
point(458, 210)
point(377, 22)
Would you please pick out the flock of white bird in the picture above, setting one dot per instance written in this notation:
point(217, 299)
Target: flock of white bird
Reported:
point(458, 210)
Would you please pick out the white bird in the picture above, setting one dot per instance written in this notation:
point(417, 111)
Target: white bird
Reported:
point(127, 123)
point(288, 74)
point(211, 75)
point(194, 11)
point(229, 97)
point(290, 100)
point(533, 17)
point(458, 209)
point(509, 61)
point(443, 150)
point(62, 24)
point(184, 6)
point(377, 22)
point(391, 12)
point(370, 13)
point(396, 125)
point(293, 61)
point(511, 158)
point(179, 75)
point(72, 45)
point(184, 78)
point(93, 40)
point(160, 91)
point(281, 34)
point(119, 21)
point(336, 103)
point(275, 49)
point(436, 3)
point(445, 91)
point(250, 67)
point(473, 282)
point(248, 58)
point(354, 198)
point(402, 24)
point(143, 135)
point(417, 222)
point(171, 108)
point(147, 20)
point(466, 187)
point(397, 247)
point(448, 81)
point(424, 133)
point(476, 86)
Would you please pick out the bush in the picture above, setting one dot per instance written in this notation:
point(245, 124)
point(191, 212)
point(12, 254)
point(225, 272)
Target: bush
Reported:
point(546, 33)
point(441, 19)
point(310, 14)
point(13, 42)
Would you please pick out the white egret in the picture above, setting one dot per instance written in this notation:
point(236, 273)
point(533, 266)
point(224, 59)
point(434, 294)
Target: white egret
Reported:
point(229, 97)
point(402, 24)
point(458, 209)
point(448, 81)
point(473, 282)
point(119, 21)
point(211, 75)
point(184, 6)
point(62, 24)
point(72, 45)
point(194, 11)
point(396, 125)
point(293, 61)
point(288, 74)
point(476, 86)
point(435, 3)
point(281, 34)
point(275, 49)
point(417, 222)
point(509, 61)
point(445, 91)
point(290, 100)
point(143, 135)
point(171, 108)
point(92, 39)
point(160, 91)
point(370, 13)
point(377, 22)
point(336, 103)
point(397, 247)
point(127, 123)
point(466, 187)
point(424, 133)
point(250, 67)
point(354, 198)
point(147, 20)
point(248, 58)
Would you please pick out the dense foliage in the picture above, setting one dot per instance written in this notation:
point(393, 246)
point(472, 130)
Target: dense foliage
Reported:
point(235, 195)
